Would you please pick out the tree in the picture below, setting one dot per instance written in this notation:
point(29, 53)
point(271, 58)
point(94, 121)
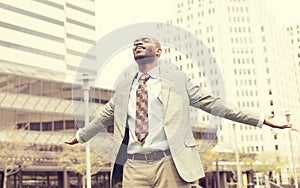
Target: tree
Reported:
point(269, 163)
point(13, 157)
point(74, 158)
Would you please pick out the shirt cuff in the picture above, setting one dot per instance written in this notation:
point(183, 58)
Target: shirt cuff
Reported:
point(78, 137)
point(261, 121)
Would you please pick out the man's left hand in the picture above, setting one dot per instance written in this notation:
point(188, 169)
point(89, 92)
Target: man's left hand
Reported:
point(268, 121)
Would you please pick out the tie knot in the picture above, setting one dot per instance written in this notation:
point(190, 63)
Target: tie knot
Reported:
point(145, 77)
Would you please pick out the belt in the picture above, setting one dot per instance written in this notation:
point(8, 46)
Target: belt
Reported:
point(154, 156)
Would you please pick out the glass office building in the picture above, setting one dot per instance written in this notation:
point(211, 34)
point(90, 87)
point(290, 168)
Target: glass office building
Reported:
point(38, 112)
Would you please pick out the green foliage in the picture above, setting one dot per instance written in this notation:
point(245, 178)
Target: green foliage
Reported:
point(209, 158)
point(14, 155)
point(263, 162)
point(74, 157)
point(269, 162)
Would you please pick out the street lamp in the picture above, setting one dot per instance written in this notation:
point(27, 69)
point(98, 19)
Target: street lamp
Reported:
point(86, 89)
point(239, 178)
point(288, 118)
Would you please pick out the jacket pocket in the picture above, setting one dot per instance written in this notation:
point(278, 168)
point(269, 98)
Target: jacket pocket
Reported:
point(190, 142)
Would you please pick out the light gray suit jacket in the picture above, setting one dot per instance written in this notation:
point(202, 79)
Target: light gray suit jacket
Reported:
point(178, 93)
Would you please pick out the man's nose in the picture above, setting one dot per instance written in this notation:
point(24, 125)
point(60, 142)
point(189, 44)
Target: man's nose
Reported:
point(139, 43)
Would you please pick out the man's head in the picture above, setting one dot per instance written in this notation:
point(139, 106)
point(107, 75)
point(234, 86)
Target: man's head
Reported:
point(146, 49)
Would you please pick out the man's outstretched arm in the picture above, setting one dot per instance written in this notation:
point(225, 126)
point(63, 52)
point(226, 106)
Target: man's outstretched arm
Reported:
point(104, 118)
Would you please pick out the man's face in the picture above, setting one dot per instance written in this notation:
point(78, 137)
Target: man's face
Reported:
point(145, 48)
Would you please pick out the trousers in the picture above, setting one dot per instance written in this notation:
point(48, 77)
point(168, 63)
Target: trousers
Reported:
point(149, 174)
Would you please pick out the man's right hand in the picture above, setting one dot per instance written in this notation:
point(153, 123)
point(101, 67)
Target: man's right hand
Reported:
point(72, 142)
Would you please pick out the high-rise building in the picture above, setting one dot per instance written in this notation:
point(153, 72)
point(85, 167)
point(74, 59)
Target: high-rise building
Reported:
point(254, 57)
point(294, 34)
point(52, 34)
point(43, 46)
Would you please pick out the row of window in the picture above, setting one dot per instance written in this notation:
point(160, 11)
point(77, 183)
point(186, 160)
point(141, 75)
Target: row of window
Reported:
point(244, 71)
point(243, 60)
point(252, 149)
point(20, 120)
point(80, 38)
point(48, 19)
point(31, 50)
point(241, 29)
point(81, 24)
point(242, 50)
point(81, 9)
point(251, 138)
point(44, 35)
point(246, 93)
point(190, 2)
point(245, 40)
point(237, 9)
point(81, 54)
point(238, 19)
point(31, 32)
point(255, 148)
point(191, 17)
point(31, 14)
point(249, 149)
point(50, 3)
point(199, 53)
point(190, 45)
point(248, 104)
point(32, 86)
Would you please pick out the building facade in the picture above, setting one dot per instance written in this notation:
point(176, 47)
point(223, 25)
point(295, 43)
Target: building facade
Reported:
point(243, 43)
point(44, 47)
point(294, 34)
point(53, 34)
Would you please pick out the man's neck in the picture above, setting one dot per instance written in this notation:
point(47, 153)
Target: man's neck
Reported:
point(146, 67)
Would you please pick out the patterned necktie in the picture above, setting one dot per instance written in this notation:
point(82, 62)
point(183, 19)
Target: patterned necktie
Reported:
point(141, 115)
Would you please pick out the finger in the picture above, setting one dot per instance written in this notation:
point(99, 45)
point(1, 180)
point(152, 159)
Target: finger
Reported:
point(293, 129)
point(70, 143)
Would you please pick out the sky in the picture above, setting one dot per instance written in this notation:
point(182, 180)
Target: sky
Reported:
point(113, 14)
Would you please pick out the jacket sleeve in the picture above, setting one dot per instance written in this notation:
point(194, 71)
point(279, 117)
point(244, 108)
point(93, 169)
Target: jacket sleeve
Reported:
point(104, 118)
point(215, 106)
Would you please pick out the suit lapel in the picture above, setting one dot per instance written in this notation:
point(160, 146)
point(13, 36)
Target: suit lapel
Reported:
point(125, 89)
point(165, 87)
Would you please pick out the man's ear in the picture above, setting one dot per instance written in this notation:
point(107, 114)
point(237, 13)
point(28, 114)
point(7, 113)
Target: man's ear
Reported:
point(158, 52)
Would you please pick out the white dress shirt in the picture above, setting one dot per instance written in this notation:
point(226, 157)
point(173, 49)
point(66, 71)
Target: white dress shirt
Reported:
point(156, 138)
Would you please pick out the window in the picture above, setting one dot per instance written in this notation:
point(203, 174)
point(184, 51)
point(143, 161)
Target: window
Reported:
point(46, 88)
point(23, 86)
point(47, 122)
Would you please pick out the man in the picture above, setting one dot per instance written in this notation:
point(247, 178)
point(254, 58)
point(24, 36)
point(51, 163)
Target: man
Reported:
point(153, 140)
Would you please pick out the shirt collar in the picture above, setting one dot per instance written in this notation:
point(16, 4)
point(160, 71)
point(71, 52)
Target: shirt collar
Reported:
point(154, 73)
